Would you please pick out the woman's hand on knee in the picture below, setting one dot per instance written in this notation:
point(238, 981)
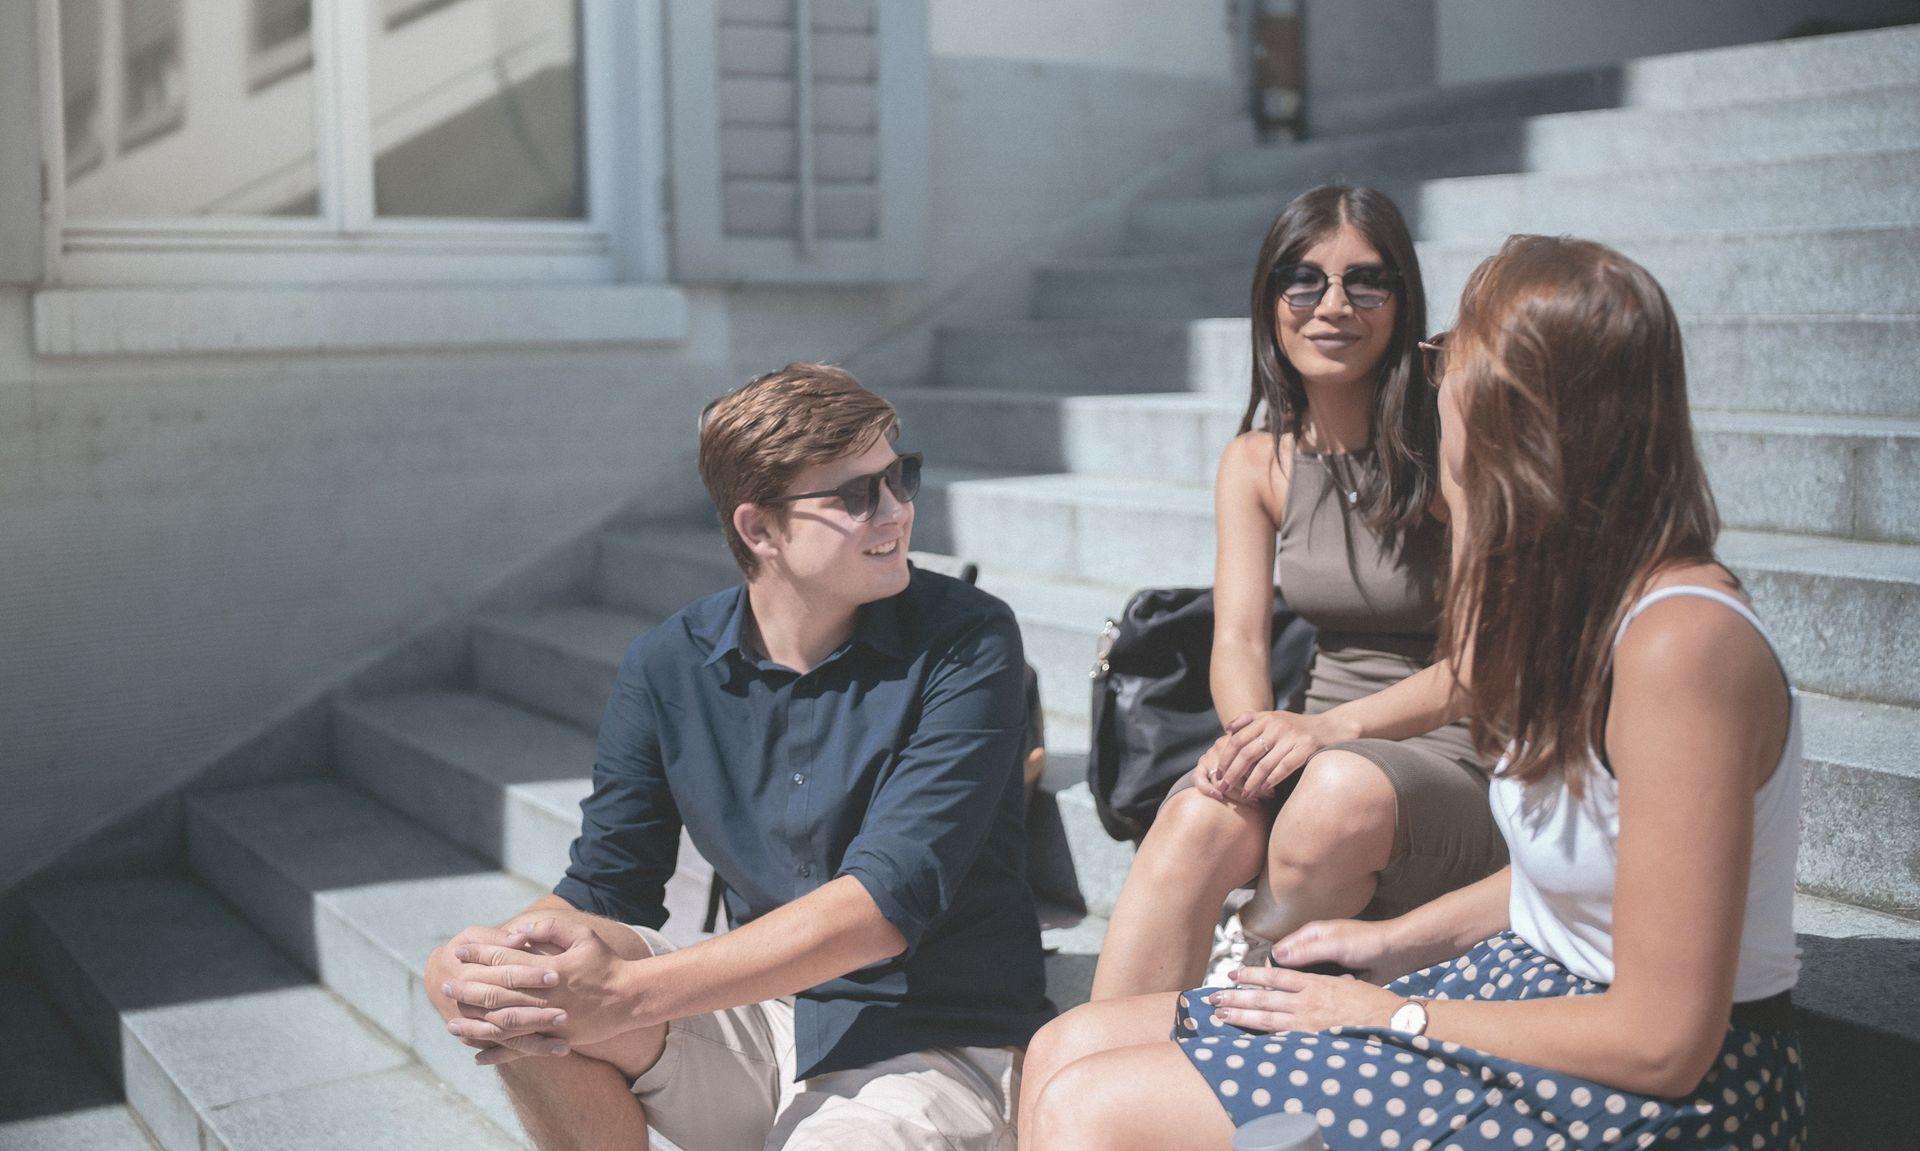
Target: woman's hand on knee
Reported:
point(1365, 948)
point(1260, 750)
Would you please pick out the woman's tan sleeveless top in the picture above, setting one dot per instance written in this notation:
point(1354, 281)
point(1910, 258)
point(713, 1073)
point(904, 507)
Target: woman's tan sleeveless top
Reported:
point(1377, 607)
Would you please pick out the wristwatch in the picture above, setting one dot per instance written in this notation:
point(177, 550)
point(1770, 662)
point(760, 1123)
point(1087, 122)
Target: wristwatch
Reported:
point(1410, 1017)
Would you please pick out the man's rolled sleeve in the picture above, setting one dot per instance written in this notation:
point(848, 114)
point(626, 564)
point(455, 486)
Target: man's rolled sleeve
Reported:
point(629, 825)
point(931, 812)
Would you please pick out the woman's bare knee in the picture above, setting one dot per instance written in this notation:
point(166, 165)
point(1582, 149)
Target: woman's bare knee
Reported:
point(1213, 842)
point(1342, 812)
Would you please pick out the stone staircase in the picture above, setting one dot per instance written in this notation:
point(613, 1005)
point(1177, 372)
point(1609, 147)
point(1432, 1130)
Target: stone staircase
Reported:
point(264, 993)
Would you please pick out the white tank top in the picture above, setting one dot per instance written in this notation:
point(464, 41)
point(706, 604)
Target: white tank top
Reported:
point(1563, 852)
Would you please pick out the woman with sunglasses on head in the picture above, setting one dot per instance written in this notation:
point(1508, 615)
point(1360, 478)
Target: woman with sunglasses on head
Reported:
point(1330, 490)
point(1625, 983)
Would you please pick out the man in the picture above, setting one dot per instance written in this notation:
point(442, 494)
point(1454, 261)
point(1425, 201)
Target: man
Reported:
point(841, 737)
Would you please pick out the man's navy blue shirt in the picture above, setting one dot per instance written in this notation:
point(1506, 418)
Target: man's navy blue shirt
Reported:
point(895, 761)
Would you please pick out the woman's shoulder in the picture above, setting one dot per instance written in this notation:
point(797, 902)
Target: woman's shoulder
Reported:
point(1685, 638)
point(1257, 464)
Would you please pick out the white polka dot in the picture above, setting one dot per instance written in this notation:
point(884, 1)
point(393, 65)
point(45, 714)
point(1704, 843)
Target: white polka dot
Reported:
point(1261, 1097)
point(1753, 1087)
point(1436, 1064)
point(1266, 1069)
point(1211, 1040)
point(1402, 1057)
point(1428, 1117)
point(1235, 1062)
point(1202, 1054)
point(1610, 1136)
point(1303, 1055)
point(1506, 981)
point(1341, 1045)
point(1486, 991)
point(1336, 1061)
point(1243, 1043)
point(1706, 1129)
point(1522, 1137)
point(1396, 1107)
point(1489, 1129)
point(1644, 1140)
point(1546, 985)
point(1577, 1129)
point(1389, 1139)
point(1324, 1116)
point(1420, 1042)
point(1363, 1097)
point(1649, 1109)
point(1732, 1061)
point(1556, 1143)
point(1229, 1088)
point(1463, 1096)
point(1751, 1049)
point(1450, 1048)
point(1190, 1023)
point(1470, 973)
point(1457, 1122)
point(1292, 1107)
point(1732, 1124)
point(1581, 1097)
point(1298, 1078)
point(1357, 1128)
point(1330, 1086)
point(1616, 1104)
point(1521, 1107)
point(1271, 1049)
point(1368, 1071)
point(1701, 1106)
point(1432, 1087)
point(1422, 1145)
point(1730, 1096)
point(1793, 1055)
point(1399, 1079)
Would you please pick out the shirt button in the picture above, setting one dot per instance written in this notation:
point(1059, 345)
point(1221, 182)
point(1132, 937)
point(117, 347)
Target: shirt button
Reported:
point(805, 869)
point(799, 778)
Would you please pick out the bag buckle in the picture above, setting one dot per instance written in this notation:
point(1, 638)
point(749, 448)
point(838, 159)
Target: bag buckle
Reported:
point(1102, 648)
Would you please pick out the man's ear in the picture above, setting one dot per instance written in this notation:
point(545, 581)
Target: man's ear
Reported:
point(759, 529)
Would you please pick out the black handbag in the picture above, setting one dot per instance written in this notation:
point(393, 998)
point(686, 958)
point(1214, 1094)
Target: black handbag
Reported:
point(1152, 704)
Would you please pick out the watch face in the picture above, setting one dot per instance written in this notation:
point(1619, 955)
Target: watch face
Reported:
point(1410, 1018)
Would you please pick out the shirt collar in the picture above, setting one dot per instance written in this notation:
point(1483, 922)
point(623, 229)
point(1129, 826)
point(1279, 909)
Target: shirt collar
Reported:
point(877, 625)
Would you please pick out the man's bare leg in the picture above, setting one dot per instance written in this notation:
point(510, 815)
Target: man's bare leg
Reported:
point(584, 1101)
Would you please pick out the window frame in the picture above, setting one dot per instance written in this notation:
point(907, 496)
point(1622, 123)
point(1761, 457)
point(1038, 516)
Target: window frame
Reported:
point(346, 242)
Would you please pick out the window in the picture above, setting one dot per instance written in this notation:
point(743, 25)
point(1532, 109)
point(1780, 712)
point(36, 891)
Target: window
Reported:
point(316, 141)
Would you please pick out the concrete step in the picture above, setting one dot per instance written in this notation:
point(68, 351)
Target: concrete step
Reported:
point(503, 783)
point(1744, 74)
point(1834, 272)
point(1845, 614)
point(559, 661)
point(57, 1099)
point(1819, 365)
point(1852, 190)
point(1089, 356)
point(1862, 804)
point(1173, 436)
point(221, 1041)
point(1600, 141)
point(1820, 475)
point(1848, 476)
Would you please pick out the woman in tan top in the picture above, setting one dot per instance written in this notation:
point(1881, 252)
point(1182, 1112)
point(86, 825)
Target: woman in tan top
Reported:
point(1331, 490)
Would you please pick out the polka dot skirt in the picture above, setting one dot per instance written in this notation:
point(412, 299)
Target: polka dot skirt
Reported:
point(1375, 1088)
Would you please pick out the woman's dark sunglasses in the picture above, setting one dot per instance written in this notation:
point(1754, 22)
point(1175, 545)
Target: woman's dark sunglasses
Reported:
point(1433, 356)
point(861, 494)
point(1367, 286)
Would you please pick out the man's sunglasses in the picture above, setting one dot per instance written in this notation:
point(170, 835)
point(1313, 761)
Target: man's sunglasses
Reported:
point(861, 494)
point(1433, 356)
point(1368, 286)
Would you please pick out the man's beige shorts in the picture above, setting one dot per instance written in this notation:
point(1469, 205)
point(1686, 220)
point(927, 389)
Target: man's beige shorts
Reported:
point(725, 1083)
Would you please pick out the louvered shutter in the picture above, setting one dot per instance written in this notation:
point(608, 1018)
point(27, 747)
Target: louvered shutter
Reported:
point(799, 139)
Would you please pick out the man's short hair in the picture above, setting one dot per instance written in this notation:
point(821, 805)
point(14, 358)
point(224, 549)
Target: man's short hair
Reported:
point(754, 440)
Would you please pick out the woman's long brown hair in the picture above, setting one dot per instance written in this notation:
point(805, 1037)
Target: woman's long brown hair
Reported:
point(1405, 424)
point(1581, 480)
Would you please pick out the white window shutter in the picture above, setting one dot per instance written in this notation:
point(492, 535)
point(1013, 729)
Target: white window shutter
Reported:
point(799, 140)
